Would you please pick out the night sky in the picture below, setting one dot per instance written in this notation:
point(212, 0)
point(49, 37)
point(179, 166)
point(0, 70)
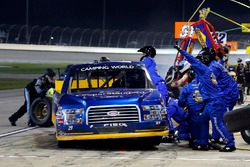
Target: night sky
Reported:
point(139, 15)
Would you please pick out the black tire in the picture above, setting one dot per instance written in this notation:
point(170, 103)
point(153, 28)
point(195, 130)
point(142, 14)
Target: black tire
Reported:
point(238, 120)
point(40, 112)
point(246, 135)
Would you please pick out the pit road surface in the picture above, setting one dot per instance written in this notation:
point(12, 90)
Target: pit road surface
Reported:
point(37, 147)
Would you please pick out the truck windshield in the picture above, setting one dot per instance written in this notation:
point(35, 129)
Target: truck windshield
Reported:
point(84, 80)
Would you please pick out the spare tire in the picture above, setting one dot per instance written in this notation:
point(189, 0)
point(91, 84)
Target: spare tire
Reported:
point(40, 112)
point(238, 120)
point(246, 135)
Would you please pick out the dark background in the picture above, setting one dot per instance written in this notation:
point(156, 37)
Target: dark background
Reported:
point(139, 15)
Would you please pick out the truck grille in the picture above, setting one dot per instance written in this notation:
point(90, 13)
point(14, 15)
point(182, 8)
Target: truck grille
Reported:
point(112, 114)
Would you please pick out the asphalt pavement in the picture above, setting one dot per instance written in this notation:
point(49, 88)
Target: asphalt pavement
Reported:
point(36, 147)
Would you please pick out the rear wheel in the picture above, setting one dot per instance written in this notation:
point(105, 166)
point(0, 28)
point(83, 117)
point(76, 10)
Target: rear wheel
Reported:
point(238, 120)
point(246, 135)
point(40, 112)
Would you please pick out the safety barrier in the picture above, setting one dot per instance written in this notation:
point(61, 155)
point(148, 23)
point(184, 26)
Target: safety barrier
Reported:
point(90, 49)
point(66, 36)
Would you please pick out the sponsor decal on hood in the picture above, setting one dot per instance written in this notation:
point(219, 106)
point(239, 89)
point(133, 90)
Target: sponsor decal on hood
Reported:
point(116, 93)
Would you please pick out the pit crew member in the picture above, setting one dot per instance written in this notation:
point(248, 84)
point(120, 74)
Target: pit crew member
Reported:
point(214, 106)
point(37, 88)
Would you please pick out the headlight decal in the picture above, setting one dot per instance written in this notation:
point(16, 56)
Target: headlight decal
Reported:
point(70, 116)
point(154, 112)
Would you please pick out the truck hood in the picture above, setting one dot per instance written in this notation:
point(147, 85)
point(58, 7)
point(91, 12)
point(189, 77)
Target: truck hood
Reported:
point(107, 94)
point(109, 97)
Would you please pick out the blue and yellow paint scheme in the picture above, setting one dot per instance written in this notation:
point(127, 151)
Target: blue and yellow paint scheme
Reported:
point(91, 111)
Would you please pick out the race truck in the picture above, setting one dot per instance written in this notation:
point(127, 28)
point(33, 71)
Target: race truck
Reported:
point(108, 100)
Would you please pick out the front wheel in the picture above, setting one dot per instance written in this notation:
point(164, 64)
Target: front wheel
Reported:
point(246, 135)
point(40, 112)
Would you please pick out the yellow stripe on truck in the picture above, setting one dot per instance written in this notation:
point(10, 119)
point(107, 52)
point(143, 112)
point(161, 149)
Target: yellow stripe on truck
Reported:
point(111, 136)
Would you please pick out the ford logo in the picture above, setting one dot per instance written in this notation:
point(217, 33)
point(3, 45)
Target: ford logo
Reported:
point(113, 113)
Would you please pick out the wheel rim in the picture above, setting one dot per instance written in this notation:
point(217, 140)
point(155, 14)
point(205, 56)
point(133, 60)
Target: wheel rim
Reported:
point(247, 132)
point(41, 111)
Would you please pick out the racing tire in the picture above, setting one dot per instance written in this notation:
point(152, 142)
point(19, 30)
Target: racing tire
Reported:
point(246, 135)
point(237, 120)
point(40, 112)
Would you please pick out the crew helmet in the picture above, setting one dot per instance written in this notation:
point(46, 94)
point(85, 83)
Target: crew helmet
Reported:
point(183, 66)
point(239, 60)
point(206, 55)
point(49, 72)
point(148, 50)
point(247, 61)
point(104, 59)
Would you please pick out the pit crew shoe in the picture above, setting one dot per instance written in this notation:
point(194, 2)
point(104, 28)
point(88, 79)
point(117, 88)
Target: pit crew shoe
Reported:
point(12, 122)
point(216, 141)
point(214, 146)
point(201, 147)
point(228, 149)
point(167, 139)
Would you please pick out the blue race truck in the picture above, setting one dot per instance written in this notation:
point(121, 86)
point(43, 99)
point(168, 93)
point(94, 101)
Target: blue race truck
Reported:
point(108, 100)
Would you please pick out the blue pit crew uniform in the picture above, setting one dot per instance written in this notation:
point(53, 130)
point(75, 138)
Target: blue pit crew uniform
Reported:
point(191, 98)
point(214, 106)
point(158, 81)
point(228, 86)
point(180, 116)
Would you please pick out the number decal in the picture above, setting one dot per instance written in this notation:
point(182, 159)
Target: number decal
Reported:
point(187, 31)
point(222, 37)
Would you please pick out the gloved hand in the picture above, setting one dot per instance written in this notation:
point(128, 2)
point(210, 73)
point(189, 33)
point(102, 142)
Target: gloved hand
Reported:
point(177, 47)
point(50, 92)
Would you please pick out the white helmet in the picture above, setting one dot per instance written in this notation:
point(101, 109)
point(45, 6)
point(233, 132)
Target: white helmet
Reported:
point(247, 60)
point(183, 66)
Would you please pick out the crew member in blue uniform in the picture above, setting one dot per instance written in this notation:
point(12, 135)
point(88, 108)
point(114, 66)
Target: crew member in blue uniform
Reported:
point(147, 59)
point(227, 85)
point(149, 53)
point(180, 116)
point(214, 106)
point(190, 97)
